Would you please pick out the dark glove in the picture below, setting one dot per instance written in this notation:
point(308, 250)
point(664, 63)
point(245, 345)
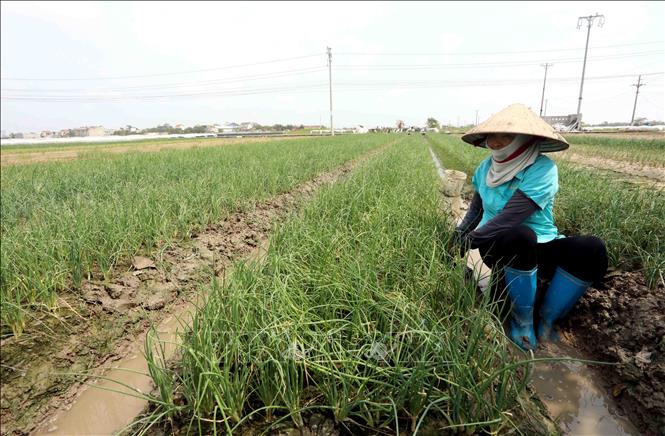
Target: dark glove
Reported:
point(461, 241)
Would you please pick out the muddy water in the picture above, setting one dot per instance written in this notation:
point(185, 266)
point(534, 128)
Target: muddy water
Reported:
point(573, 398)
point(111, 403)
point(100, 410)
point(568, 389)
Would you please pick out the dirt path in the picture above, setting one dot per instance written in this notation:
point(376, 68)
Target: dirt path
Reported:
point(623, 321)
point(609, 134)
point(648, 173)
point(8, 158)
point(105, 320)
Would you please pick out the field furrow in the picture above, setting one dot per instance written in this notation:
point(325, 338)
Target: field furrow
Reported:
point(98, 322)
point(63, 223)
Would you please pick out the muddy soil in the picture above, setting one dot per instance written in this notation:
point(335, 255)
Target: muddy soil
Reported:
point(22, 157)
point(618, 134)
point(622, 321)
point(44, 369)
point(647, 173)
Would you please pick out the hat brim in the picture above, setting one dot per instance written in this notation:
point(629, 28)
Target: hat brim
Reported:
point(547, 145)
point(517, 119)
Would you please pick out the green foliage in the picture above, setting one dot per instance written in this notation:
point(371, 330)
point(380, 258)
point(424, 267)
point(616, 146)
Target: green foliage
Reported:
point(62, 221)
point(648, 150)
point(357, 312)
point(432, 123)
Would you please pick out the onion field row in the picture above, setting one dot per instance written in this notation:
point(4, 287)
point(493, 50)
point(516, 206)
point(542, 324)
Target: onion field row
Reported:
point(643, 150)
point(360, 312)
point(64, 222)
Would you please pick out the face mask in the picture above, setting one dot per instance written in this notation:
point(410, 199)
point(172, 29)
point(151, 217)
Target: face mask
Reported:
point(507, 151)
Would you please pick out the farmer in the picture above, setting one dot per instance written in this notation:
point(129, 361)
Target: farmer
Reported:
point(510, 221)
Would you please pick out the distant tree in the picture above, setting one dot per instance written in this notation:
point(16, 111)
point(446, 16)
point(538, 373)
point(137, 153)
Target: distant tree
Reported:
point(400, 124)
point(432, 123)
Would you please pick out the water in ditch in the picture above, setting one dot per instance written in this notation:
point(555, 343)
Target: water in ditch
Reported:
point(113, 402)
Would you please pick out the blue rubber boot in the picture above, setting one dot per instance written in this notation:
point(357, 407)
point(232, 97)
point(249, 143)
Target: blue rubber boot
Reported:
point(522, 293)
point(564, 291)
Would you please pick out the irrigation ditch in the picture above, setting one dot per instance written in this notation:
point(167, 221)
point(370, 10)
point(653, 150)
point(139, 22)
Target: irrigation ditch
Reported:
point(47, 376)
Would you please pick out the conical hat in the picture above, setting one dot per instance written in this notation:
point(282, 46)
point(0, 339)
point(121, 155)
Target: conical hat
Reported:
point(517, 119)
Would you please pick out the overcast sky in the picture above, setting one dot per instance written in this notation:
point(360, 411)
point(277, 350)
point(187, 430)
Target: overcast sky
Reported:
point(195, 63)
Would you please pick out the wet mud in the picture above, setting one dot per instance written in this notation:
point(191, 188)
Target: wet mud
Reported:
point(45, 370)
point(623, 321)
point(635, 172)
point(574, 397)
point(620, 321)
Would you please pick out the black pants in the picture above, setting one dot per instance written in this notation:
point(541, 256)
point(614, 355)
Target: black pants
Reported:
point(585, 257)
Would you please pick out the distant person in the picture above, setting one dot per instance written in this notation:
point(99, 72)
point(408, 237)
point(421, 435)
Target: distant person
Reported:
point(511, 222)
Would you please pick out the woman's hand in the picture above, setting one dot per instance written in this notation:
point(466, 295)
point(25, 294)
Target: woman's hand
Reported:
point(461, 242)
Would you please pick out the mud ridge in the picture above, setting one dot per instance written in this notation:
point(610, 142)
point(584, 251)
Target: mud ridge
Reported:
point(623, 321)
point(101, 322)
point(654, 175)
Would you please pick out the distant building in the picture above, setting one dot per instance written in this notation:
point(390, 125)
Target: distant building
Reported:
point(229, 127)
point(562, 122)
point(76, 133)
point(3, 134)
point(48, 134)
point(31, 135)
point(361, 129)
point(212, 128)
point(95, 131)
point(247, 126)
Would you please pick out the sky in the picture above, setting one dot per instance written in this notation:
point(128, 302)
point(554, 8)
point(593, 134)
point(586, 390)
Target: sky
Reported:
point(71, 64)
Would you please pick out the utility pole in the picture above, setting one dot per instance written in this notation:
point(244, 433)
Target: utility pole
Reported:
point(332, 130)
point(580, 20)
point(545, 114)
point(637, 92)
point(542, 98)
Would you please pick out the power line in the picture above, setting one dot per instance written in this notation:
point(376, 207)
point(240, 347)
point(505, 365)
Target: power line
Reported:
point(491, 52)
point(340, 85)
point(271, 75)
point(494, 64)
point(276, 74)
point(164, 74)
point(311, 56)
point(221, 93)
